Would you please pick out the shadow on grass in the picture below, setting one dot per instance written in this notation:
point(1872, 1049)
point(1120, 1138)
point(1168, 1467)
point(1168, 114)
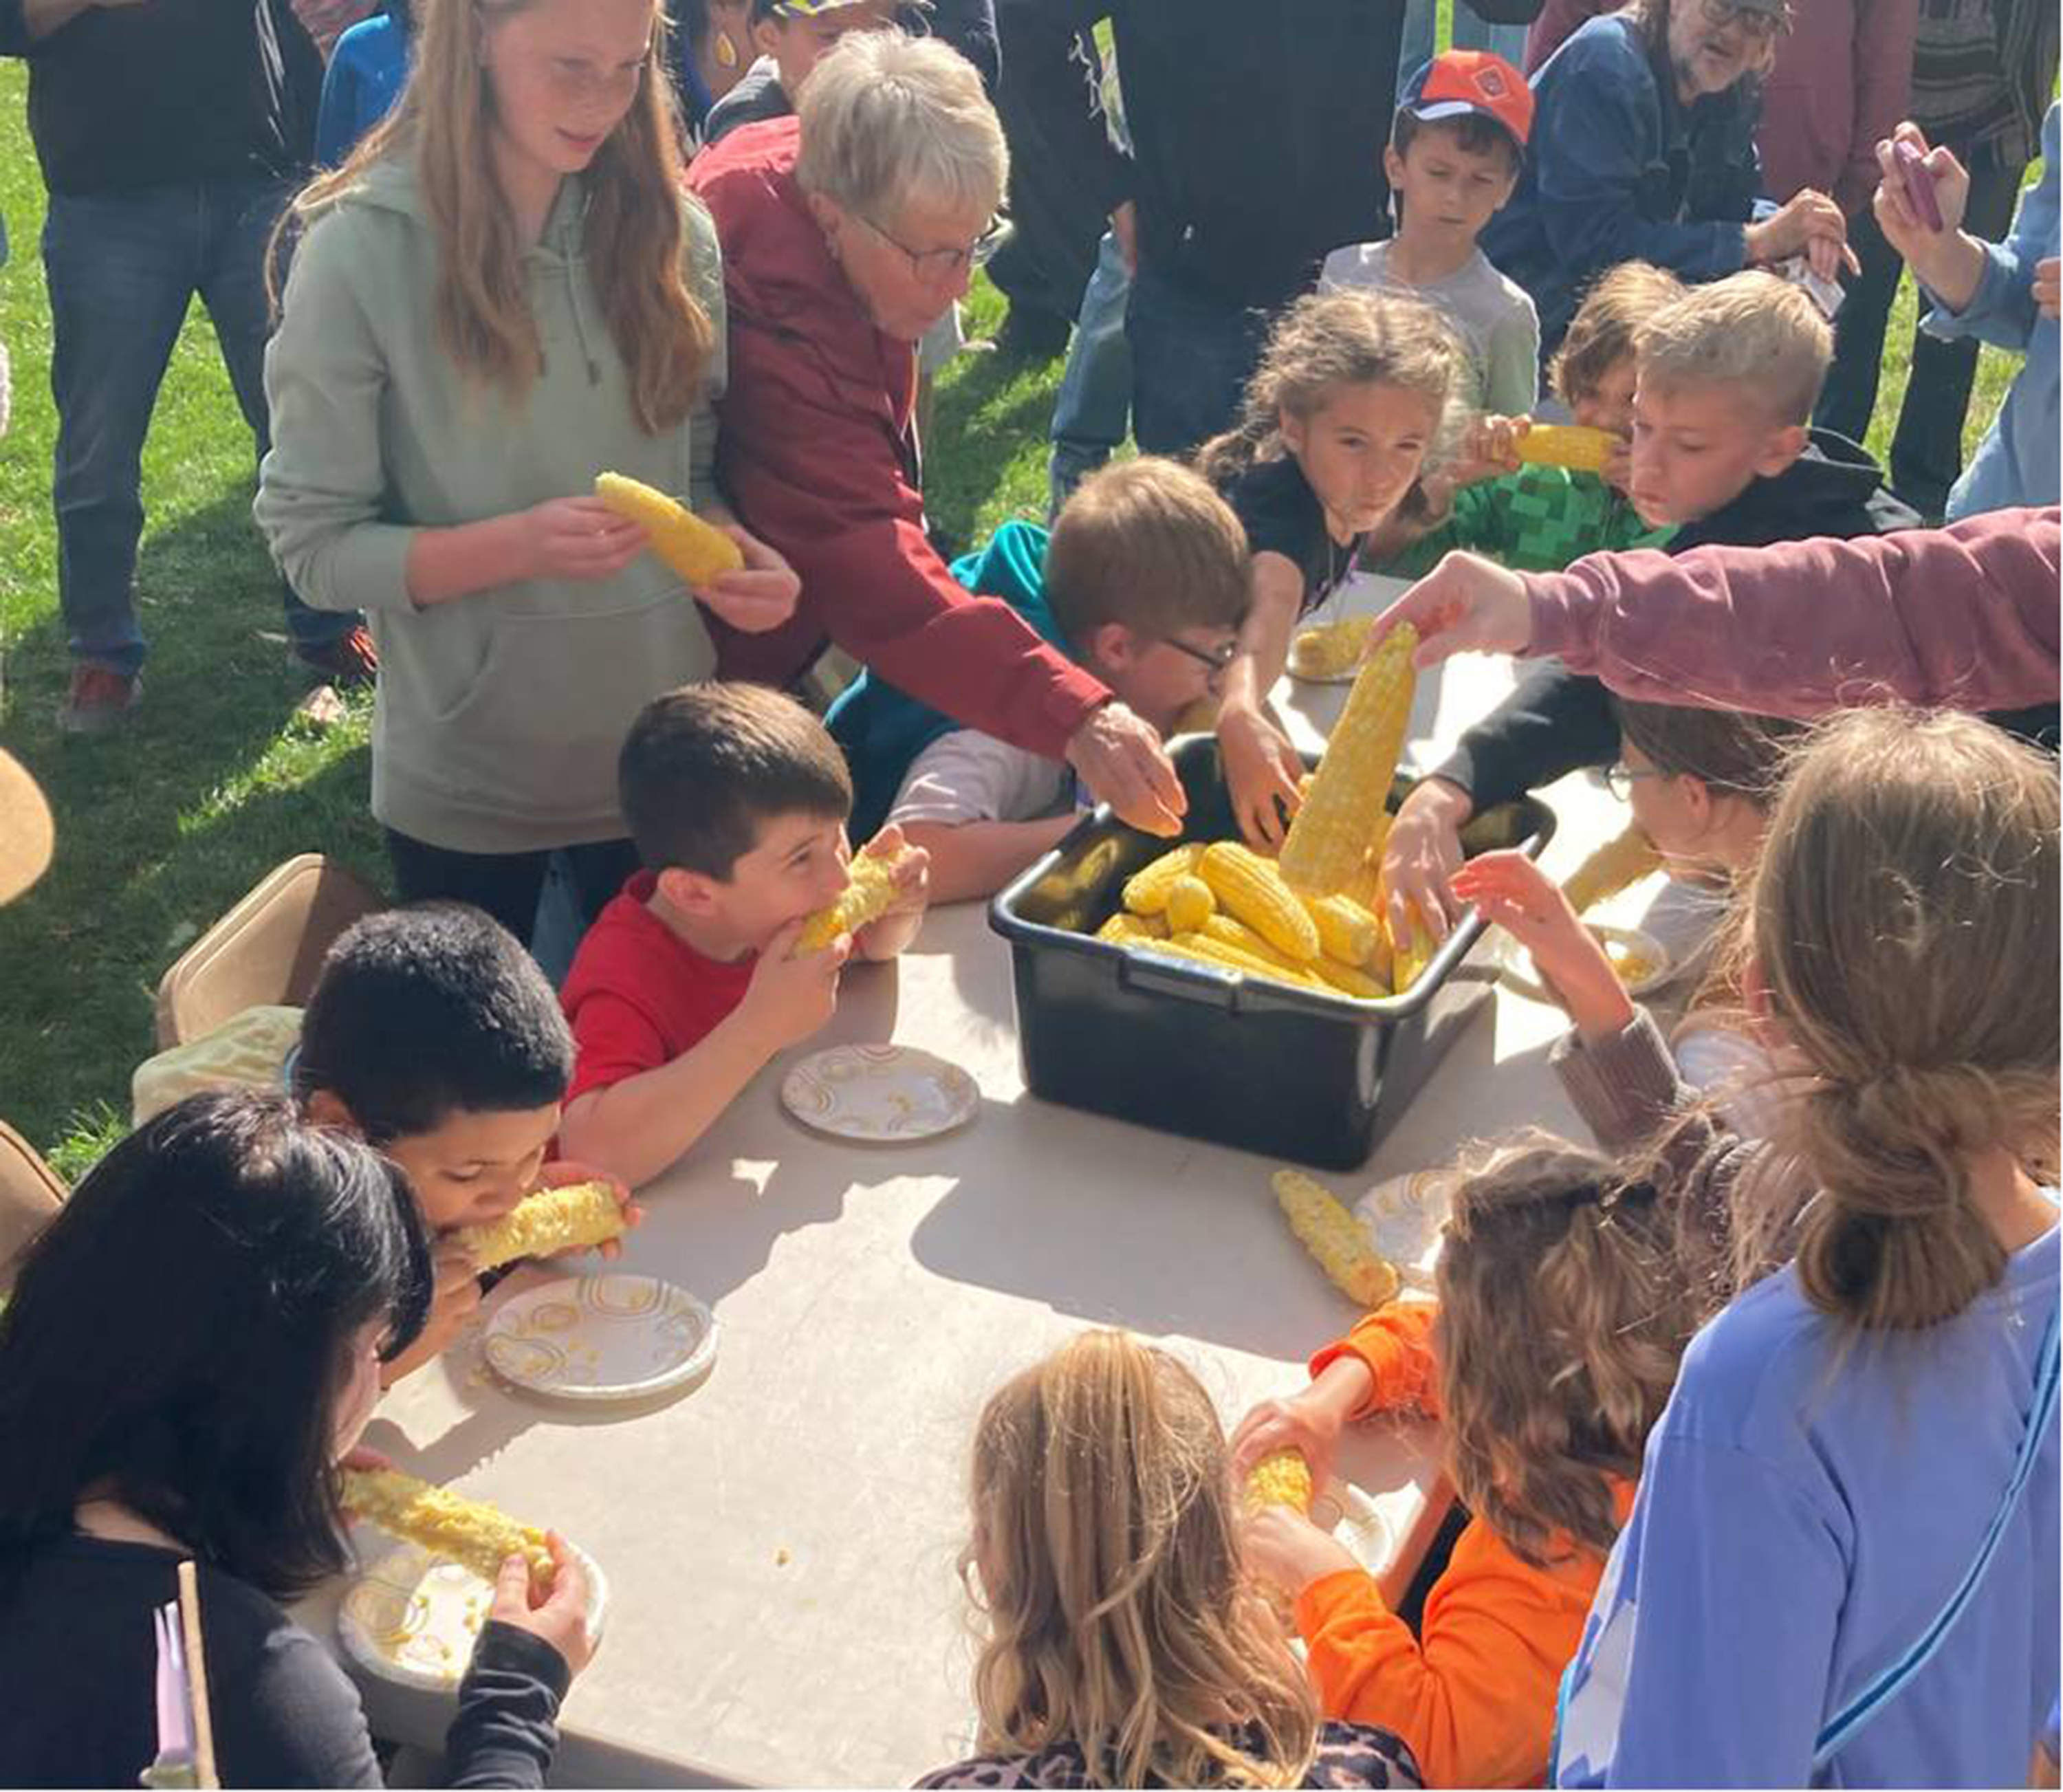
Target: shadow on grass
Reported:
point(163, 825)
point(986, 415)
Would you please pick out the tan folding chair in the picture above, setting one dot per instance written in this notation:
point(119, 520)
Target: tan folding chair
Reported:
point(30, 1193)
point(267, 948)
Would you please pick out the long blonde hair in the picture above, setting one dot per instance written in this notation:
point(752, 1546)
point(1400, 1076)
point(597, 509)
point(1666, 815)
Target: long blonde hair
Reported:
point(1904, 921)
point(1107, 1563)
point(1324, 342)
point(633, 233)
point(1566, 1301)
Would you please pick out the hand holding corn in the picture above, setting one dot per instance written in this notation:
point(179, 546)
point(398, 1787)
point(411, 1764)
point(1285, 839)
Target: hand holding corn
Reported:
point(885, 878)
point(471, 1533)
point(699, 552)
point(1329, 840)
point(1282, 1479)
point(574, 1217)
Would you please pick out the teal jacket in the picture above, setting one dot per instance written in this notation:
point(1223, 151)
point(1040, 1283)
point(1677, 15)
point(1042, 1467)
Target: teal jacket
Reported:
point(882, 728)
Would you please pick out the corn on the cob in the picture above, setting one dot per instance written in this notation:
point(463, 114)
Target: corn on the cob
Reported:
point(1346, 930)
point(1619, 863)
point(1200, 717)
point(870, 891)
point(1281, 1479)
point(696, 550)
point(1247, 887)
point(1214, 951)
point(1190, 904)
point(1146, 891)
point(551, 1221)
point(1240, 938)
point(1350, 979)
point(1124, 929)
point(1573, 445)
point(1411, 957)
point(1328, 839)
point(469, 1532)
point(1336, 1239)
point(1329, 649)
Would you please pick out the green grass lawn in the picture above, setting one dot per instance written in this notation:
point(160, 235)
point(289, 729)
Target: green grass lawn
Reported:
point(163, 826)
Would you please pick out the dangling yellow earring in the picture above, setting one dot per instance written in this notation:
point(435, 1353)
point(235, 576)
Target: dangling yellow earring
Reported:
point(727, 51)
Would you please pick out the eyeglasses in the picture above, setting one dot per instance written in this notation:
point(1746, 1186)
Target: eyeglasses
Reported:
point(1620, 779)
point(934, 267)
point(1756, 23)
point(1217, 658)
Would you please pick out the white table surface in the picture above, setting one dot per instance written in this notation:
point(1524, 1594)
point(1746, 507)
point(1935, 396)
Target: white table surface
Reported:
point(781, 1540)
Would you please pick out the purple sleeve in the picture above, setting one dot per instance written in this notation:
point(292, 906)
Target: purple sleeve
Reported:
point(1964, 617)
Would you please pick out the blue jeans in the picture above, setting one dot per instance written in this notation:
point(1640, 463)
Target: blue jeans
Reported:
point(123, 269)
point(1094, 407)
point(1191, 356)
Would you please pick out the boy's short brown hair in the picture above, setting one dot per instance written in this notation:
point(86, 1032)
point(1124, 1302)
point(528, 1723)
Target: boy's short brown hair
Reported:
point(1751, 329)
point(1601, 333)
point(1736, 754)
point(1147, 543)
point(703, 766)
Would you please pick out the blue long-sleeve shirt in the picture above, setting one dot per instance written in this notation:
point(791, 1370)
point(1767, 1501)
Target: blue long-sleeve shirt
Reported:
point(366, 74)
point(2015, 463)
point(1808, 1504)
point(1618, 169)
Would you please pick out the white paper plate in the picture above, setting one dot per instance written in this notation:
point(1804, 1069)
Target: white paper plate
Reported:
point(881, 1094)
point(413, 1617)
point(1351, 1516)
point(1523, 975)
point(1404, 1216)
point(600, 1338)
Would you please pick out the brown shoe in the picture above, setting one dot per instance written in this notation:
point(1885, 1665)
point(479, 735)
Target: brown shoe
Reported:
point(351, 659)
point(99, 701)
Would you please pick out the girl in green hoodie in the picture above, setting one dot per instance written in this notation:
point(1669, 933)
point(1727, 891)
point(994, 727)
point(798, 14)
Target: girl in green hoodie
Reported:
point(502, 293)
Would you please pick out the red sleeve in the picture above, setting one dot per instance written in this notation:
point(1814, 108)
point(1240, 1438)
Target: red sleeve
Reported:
point(1395, 1343)
point(614, 1039)
point(1964, 617)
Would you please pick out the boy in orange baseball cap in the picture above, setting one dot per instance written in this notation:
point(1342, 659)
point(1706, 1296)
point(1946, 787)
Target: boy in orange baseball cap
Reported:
point(1454, 156)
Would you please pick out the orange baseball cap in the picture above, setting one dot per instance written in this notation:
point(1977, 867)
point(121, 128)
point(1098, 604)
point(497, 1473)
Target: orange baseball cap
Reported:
point(1462, 80)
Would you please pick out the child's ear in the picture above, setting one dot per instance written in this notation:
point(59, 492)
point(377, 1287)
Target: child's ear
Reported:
point(1291, 428)
point(1113, 645)
point(765, 34)
point(1783, 447)
point(687, 892)
point(325, 1108)
point(1393, 166)
point(1698, 799)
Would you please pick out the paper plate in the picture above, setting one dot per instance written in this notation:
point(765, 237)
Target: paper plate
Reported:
point(601, 1337)
point(1351, 1516)
point(1656, 966)
point(413, 1617)
point(881, 1094)
point(1404, 1216)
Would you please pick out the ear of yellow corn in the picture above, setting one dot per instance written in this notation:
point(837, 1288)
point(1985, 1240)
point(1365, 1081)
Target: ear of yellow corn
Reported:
point(1124, 929)
point(1329, 837)
point(1333, 1236)
point(1411, 956)
point(870, 893)
point(1249, 888)
point(1216, 952)
point(1146, 890)
point(551, 1221)
point(1350, 979)
point(471, 1533)
point(696, 550)
point(1190, 904)
point(1573, 445)
point(1281, 1479)
point(1346, 930)
point(1619, 863)
point(1329, 649)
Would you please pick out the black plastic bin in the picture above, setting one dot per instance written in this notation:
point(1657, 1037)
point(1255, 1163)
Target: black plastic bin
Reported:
point(1211, 1054)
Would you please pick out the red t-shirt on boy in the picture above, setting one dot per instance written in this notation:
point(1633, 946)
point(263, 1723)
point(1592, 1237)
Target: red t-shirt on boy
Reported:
point(638, 995)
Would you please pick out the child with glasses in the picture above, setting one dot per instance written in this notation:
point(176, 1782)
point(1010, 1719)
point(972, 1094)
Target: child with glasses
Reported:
point(1143, 579)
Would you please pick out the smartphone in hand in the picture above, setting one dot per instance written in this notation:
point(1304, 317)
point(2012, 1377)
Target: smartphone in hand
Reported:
point(1918, 180)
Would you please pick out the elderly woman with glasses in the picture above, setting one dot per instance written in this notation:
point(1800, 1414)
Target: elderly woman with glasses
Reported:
point(847, 232)
point(1643, 150)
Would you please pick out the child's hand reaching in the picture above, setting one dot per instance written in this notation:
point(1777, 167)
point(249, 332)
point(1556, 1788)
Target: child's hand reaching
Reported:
point(1509, 890)
point(790, 997)
point(1261, 771)
point(1302, 1423)
point(889, 935)
point(1284, 1546)
point(564, 1173)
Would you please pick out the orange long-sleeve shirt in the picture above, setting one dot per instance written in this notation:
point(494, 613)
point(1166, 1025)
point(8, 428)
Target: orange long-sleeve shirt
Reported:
point(1474, 1693)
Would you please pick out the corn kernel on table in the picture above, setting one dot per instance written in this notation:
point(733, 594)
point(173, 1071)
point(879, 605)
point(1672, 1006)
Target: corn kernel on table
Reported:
point(780, 1541)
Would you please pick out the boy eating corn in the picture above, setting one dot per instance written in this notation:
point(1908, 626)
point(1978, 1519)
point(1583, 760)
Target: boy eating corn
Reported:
point(727, 946)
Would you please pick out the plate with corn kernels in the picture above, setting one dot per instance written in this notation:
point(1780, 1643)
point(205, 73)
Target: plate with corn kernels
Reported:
point(413, 1617)
point(605, 1337)
point(1329, 652)
point(1404, 1216)
point(1640, 960)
